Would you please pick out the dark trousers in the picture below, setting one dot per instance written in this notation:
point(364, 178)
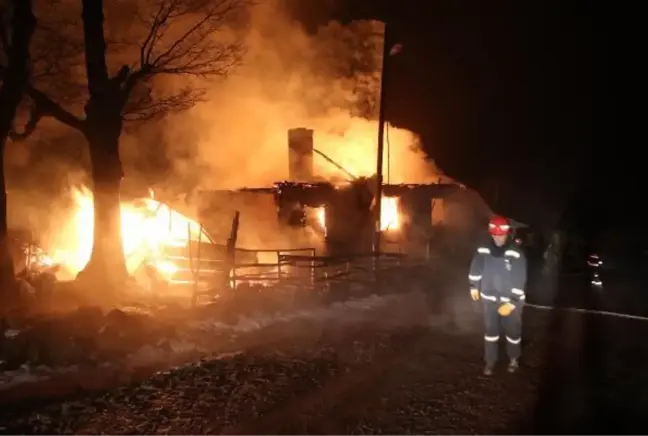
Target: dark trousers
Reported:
point(512, 325)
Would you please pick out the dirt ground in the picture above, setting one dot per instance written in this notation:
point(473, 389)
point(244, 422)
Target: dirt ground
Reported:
point(580, 374)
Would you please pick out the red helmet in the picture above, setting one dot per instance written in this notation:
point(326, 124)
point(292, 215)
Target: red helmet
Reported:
point(499, 226)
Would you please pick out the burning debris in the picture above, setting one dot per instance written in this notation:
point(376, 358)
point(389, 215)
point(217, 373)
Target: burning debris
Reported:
point(151, 230)
point(29, 257)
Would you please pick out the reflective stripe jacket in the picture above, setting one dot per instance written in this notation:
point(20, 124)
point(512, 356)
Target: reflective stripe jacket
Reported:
point(499, 278)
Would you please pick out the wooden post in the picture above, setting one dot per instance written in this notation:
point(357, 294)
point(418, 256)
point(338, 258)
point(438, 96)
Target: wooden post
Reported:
point(381, 147)
point(231, 250)
point(194, 297)
point(195, 269)
point(312, 268)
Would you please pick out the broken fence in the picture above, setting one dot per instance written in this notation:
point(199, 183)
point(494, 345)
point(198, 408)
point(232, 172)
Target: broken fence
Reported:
point(297, 269)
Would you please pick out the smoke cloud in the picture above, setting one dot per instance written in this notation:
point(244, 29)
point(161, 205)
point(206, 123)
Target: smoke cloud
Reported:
point(328, 81)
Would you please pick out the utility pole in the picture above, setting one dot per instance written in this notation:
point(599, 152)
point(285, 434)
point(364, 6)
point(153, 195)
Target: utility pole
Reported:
point(381, 134)
point(497, 186)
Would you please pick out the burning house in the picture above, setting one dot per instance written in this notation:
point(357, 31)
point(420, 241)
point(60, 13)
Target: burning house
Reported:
point(165, 244)
point(335, 218)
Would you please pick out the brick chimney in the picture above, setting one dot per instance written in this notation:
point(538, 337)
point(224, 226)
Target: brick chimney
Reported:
point(300, 155)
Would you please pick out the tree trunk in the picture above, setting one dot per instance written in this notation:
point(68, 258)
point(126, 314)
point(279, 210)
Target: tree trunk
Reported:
point(7, 280)
point(14, 83)
point(107, 264)
point(103, 126)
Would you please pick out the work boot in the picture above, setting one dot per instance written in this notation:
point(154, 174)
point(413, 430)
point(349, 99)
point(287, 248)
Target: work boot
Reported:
point(488, 370)
point(513, 365)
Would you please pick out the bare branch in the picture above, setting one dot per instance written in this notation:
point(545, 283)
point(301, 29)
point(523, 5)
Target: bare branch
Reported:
point(45, 106)
point(57, 54)
point(159, 18)
point(132, 81)
point(183, 38)
point(173, 37)
point(150, 107)
point(187, 38)
point(42, 106)
point(35, 115)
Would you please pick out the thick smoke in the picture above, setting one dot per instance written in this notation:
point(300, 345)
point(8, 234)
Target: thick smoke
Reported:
point(327, 81)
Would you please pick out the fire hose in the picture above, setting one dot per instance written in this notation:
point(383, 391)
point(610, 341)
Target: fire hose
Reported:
point(589, 311)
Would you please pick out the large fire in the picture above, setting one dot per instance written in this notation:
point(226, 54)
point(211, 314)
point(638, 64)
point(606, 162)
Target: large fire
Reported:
point(147, 227)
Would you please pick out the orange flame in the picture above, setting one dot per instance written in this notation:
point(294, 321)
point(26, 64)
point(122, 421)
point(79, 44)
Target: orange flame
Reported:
point(321, 216)
point(390, 218)
point(147, 227)
point(389, 213)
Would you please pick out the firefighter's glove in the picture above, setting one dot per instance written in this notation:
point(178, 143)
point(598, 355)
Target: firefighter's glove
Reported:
point(474, 294)
point(505, 309)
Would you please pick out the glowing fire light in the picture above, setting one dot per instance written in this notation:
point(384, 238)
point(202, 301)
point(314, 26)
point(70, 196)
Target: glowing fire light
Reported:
point(147, 227)
point(321, 216)
point(389, 214)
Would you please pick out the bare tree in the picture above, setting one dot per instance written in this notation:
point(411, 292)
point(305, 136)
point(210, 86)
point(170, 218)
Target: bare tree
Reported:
point(14, 71)
point(183, 38)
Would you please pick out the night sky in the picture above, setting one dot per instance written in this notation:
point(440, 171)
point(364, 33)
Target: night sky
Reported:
point(505, 95)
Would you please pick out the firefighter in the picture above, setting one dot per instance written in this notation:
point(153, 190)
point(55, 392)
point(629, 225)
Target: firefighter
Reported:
point(498, 277)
